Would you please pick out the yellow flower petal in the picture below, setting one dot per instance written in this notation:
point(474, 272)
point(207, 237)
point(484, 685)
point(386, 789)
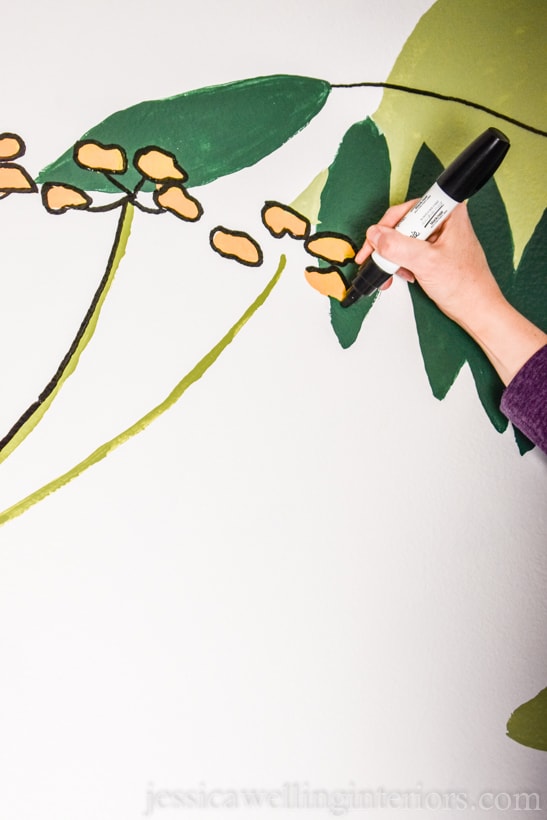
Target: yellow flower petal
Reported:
point(281, 219)
point(158, 165)
point(59, 198)
point(14, 179)
point(327, 281)
point(175, 199)
point(236, 245)
point(11, 146)
point(97, 157)
point(332, 247)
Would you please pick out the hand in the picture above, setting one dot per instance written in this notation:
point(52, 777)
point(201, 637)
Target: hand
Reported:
point(452, 269)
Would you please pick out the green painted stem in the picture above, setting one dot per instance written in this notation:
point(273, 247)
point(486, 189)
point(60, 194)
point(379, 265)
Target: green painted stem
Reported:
point(30, 418)
point(192, 376)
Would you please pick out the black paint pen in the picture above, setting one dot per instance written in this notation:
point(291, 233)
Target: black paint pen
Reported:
point(465, 176)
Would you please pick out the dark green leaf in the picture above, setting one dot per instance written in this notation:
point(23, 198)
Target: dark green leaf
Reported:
point(212, 131)
point(528, 292)
point(489, 217)
point(441, 341)
point(488, 383)
point(523, 442)
point(355, 196)
point(445, 347)
point(491, 224)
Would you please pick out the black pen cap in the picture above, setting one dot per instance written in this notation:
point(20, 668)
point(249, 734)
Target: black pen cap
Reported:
point(475, 165)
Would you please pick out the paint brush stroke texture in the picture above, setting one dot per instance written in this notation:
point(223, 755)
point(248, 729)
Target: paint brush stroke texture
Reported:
point(254, 110)
point(492, 53)
point(219, 130)
point(214, 131)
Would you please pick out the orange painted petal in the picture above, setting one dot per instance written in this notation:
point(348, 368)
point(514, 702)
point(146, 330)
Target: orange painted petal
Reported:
point(98, 157)
point(236, 245)
point(59, 198)
point(158, 165)
point(14, 179)
point(174, 198)
point(11, 146)
point(331, 247)
point(280, 219)
point(327, 281)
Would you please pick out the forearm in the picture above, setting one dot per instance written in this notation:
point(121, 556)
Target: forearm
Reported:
point(506, 336)
point(453, 271)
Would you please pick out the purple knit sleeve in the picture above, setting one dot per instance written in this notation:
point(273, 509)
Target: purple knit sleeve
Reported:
point(524, 400)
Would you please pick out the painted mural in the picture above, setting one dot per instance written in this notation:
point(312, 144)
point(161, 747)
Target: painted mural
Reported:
point(153, 156)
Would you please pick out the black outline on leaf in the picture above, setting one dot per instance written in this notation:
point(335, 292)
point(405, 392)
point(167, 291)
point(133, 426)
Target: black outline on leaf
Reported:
point(142, 151)
point(272, 203)
point(57, 211)
point(233, 255)
point(33, 187)
point(80, 143)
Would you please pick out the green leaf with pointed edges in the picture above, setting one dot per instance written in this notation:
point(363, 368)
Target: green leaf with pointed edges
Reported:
point(491, 224)
point(523, 442)
point(355, 196)
point(488, 384)
point(212, 131)
point(445, 346)
point(528, 292)
point(441, 341)
point(526, 289)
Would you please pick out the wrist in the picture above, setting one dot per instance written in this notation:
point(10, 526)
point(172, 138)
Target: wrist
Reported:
point(507, 337)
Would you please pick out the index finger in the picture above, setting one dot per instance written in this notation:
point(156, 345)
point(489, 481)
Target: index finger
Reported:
point(391, 218)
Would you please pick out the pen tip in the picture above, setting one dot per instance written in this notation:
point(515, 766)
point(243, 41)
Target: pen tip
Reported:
point(350, 297)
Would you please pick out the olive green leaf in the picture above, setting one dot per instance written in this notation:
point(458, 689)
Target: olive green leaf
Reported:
point(212, 131)
point(528, 723)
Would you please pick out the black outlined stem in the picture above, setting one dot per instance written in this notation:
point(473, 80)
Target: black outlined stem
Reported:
point(424, 92)
point(192, 376)
point(34, 413)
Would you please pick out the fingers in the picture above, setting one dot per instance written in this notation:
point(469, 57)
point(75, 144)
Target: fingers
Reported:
point(403, 250)
point(364, 252)
point(458, 224)
point(391, 217)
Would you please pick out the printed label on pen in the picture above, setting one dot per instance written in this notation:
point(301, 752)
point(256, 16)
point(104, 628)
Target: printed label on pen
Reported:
point(421, 221)
point(430, 211)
